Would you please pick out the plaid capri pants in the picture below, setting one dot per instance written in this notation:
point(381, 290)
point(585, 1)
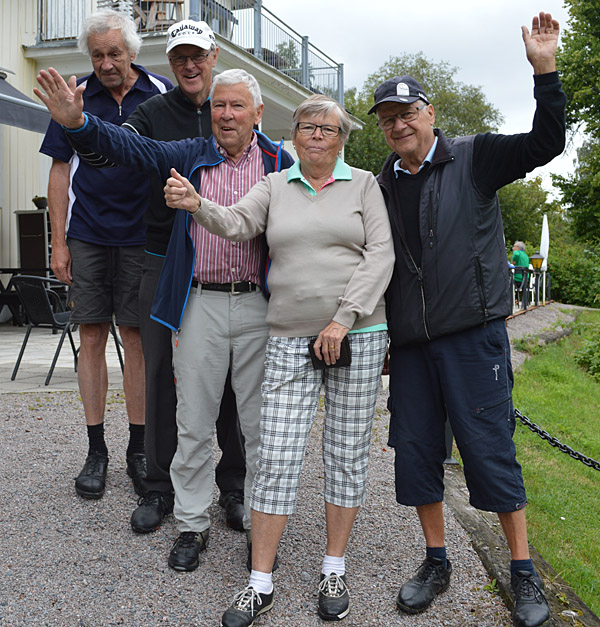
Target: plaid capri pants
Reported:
point(290, 392)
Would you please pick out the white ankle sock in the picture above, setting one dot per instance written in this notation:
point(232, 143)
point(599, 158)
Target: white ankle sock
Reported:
point(261, 582)
point(335, 565)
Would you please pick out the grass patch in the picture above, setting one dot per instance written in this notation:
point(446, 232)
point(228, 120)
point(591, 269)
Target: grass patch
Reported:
point(564, 510)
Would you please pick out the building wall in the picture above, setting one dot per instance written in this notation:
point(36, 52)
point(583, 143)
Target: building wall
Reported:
point(23, 171)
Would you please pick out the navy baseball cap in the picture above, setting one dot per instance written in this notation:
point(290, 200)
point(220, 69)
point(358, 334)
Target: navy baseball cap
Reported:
point(403, 89)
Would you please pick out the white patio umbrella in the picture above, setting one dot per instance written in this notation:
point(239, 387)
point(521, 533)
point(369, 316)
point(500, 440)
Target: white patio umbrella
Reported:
point(545, 243)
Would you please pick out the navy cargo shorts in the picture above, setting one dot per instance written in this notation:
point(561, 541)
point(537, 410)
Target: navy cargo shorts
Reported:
point(466, 377)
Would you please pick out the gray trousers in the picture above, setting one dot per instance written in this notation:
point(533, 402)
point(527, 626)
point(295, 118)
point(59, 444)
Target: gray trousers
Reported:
point(161, 401)
point(219, 331)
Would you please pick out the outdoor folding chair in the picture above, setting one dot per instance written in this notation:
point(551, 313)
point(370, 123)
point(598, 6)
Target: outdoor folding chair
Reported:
point(44, 308)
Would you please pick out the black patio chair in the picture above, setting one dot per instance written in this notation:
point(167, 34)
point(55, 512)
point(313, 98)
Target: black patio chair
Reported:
point(44, 308)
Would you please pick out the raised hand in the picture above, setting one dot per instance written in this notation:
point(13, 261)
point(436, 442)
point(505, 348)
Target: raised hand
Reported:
point(541, 43)
point(64, 101)
point(180, 193)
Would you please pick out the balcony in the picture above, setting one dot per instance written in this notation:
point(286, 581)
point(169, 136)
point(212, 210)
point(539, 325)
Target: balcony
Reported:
point(244, 23)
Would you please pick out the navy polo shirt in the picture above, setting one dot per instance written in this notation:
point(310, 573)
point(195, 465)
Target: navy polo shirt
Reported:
point(106, 206)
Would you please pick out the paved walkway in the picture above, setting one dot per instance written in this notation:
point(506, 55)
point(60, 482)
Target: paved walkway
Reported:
point(37, 358)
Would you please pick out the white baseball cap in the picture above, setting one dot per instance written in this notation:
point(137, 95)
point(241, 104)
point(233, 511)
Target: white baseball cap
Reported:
point(190, 32)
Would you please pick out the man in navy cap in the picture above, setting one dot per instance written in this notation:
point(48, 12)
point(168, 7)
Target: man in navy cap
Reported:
point(447, 303)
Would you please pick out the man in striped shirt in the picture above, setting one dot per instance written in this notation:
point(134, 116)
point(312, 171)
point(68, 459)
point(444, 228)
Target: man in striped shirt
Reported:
point(221, 322)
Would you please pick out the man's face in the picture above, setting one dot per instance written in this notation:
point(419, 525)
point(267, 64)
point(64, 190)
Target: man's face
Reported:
point(233, 117)
point(409, 139)
point(110, 58)
point(192, 67)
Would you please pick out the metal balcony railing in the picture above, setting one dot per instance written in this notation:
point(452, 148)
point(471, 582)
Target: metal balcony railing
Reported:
point(245, 23)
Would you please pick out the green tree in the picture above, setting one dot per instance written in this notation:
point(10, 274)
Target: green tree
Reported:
point(581, 193)
point(579, 67)
point(286, 59)
point(523, 204)
point(460, 109)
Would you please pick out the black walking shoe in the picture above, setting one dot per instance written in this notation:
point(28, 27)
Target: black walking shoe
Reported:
point(91, 481)
point(187, 547)
point(246, 606)
point(431, 579)
point(531, 608)
point(334, 599)
point(232, 501)
point(136, 469)
point(151, 510)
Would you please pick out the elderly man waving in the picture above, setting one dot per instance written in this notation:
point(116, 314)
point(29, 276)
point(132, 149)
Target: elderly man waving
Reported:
point(447, 303)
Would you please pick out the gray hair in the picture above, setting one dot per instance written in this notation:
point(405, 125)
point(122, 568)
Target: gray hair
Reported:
point(235, 77)
point(101, 22)
point(519, 245)
point(322, 105)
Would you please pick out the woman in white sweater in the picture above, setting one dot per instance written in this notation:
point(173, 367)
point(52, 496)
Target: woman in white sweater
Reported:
point(331, 260)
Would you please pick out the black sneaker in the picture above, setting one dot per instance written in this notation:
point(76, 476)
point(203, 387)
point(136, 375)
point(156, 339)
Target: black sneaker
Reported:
point(136, 469)
point(187, 547)
point(334, 599)
point(246, 606)
point(151, 510)
point(530, 605)
point(431, 579)
point(91, 481)
point(232, 501)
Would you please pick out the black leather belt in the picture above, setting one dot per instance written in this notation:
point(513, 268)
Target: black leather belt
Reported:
point(235, 287)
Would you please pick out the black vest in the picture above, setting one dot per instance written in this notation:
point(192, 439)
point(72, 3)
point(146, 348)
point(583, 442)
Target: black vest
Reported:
point(461, 279)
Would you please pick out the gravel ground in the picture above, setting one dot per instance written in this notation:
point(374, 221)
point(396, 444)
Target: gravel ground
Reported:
point(68, 561)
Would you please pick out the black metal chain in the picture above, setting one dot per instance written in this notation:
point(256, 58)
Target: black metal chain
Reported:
point(588, 461)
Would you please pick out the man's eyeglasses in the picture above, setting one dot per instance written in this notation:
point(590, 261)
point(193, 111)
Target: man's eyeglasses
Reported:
point(385, 124)
point(196, 59)
point(327, 130)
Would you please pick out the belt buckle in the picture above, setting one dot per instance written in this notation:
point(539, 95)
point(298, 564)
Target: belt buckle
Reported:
point(233, 290)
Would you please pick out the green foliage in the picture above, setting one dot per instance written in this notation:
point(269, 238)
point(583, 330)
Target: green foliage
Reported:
point(563, 510)
point(588, 356)
point(287, 59)
point(523, 204)
point(460, 109)
point(581, 193)
point(575, 273)
point(579, 66)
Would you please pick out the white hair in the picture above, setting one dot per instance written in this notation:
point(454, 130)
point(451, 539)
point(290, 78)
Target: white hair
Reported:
point(235, 77)
point(104, 20)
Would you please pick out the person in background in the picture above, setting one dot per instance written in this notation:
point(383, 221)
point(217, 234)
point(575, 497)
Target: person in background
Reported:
point(447, 304)
point(331, 260)
point(520, 260)
point(98, 234)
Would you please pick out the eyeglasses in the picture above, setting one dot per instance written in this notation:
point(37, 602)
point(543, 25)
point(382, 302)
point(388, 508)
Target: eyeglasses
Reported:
point(196, 59)
point(308, 128)
point(385, 124)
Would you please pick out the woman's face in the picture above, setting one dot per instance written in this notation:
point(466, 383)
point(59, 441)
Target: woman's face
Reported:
point(316, 148)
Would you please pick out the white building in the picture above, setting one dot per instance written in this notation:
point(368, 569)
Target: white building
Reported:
point(36, 34)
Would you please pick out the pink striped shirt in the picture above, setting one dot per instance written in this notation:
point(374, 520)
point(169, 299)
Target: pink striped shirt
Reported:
point(218, 260)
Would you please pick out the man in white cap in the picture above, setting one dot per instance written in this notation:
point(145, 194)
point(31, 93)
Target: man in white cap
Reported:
point(178, 114)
